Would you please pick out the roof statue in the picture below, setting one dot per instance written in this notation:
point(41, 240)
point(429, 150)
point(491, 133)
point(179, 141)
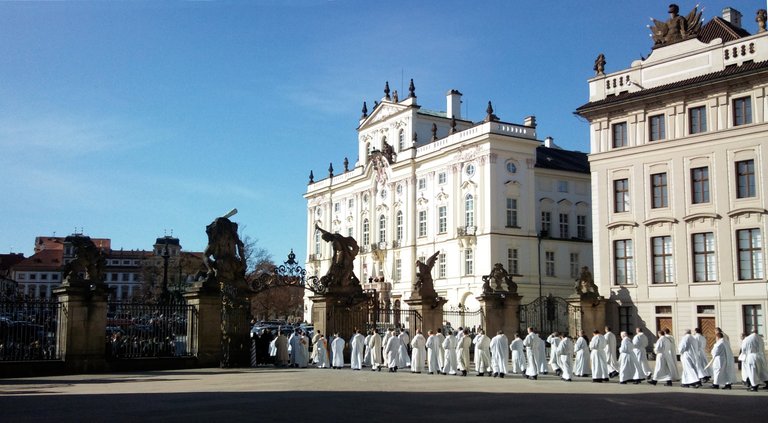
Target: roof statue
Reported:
point(395, 98)
point(346, 164)
point(434, 131)
point(761, 17)
point(224, 255)
point(386, 91)
point(311, 177)
point(676, 28)
point(489, 116)
point(341, 278)
point(453, 124)
point(502, 281)
point(585, 284)
point(411, 90)
point(424, 286)
point(365, 111)
point(600, 64)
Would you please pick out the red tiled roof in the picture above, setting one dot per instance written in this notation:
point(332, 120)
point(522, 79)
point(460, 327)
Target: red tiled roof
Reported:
point(720, 28)
point(46, 259)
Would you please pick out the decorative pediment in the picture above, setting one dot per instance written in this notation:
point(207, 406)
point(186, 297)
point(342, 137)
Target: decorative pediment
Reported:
point(659, 221)
point(620, 224)
point(467, 153)
point(746, 211)
point(382, 208)
point(382, 112)
point(468, 185)
point(701, 217)
point(441, 196)
point(513, 188)
point(422, 201)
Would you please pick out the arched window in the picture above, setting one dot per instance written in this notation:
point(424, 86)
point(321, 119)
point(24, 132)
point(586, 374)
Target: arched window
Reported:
point(366, 232)
point(382, 228)
point(399, 222)
point(401, 140)
point(469, 210)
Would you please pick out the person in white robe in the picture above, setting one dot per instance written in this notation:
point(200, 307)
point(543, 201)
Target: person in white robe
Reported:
point(375, 348)
point(541, 355)
point(433, 353)
point(532, 354)
point(419, 351)
point(640, 343)
point(367, 354)
point(581, 367)
point(482, 353)
point(313, 357)
point(404, 360)
point(723, 371)
point(321, 347)
point(687, 349)
point(610, 352)
point(449, 355)
point(356, 346)
point(705, 373)
point(291, 350)
point(761, 358)
point(390, 333)
point(499, 354)
point(564, 352)
point(629, 367)
point(755, 367)
point(391, 351)
point(597, 358)
point(666, 365)
point(462, 352)
point(518, 354)
point(337, 347)
point(281, 350)
point(742, 359)
point(554, 339)
point(440, 350)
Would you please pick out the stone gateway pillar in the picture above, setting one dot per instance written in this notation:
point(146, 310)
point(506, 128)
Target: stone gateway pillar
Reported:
point(81, 329)
point(205, 339)
point(431, 311)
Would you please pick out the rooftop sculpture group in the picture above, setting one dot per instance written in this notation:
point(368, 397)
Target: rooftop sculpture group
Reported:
point(676, 28)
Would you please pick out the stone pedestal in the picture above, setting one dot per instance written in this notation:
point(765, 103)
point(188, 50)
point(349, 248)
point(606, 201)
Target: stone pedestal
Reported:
point(500, 312)
point(81, 329)
point(321, 307)
point(431, 311)
point(206, 336)
point(592, 312)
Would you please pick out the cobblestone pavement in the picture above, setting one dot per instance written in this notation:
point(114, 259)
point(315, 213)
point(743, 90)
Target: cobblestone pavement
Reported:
point(276, 395)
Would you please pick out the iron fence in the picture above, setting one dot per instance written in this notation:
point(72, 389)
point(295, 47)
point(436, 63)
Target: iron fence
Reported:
point(136, 330)
point(461, 318)
point(29, 329)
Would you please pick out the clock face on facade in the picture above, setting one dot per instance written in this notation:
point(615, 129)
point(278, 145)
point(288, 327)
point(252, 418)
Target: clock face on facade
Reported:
point(470, 169)
point(511, 168)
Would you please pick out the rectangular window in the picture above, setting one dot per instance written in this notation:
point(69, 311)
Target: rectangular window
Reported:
point(697, 120)
point(441, 178)
point(398, 269)
point(564, 230)
point(623, 262)
point(546, 223)
point(350, 204)
point(656, 130)
point(700, 185)
point(581, 226)
point(753, 318)
point(575, 265)
point(621, 195)
point(562, 186)
point(469, 262)
point(33, 276)
point(704, 264)
point(625, 319)
point(750, 244)
point(442, 219)
point(549, 263)
point(742, 111)
point(126, 277)
point(44, 277)
point(512, 212)
point(349, 231)
point(663, 266)
point(512, 261)
point(659, 191)
point(55, 277)
point(619, 131)
point(422, 223)
point(336, 207)
point(422, 183)
point(745, 179)
point(398, 226)
point(441, 265)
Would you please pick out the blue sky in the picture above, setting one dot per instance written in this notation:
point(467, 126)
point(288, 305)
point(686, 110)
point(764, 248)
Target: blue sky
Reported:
point(130, 119)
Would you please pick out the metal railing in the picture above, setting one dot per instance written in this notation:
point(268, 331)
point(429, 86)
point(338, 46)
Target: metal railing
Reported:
point(460, 318)
point(29, 329)
point(136, 330)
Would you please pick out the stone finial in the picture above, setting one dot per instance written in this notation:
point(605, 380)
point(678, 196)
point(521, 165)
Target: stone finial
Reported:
point(330, 170)
point(434, 131)
point(761, 17)
point(453, 124)
point(489, 116)
point(346, 165)
point(394, 97)
point(311, 177)
point(386, 91)
point(600, 64)
point(415, 138)
point(365, 111)
point(411, 90)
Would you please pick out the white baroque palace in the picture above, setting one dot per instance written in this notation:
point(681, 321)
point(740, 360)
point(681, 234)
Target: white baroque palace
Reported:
point(476, 193)
point(678, 162)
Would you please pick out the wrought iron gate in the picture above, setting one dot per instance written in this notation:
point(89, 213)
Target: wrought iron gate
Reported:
point(462, 318)
point(235, 328)
point(551, 314)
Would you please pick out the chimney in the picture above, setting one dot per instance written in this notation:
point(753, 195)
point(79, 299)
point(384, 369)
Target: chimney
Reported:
point(453, 108)
point(530, 121)
point(733, 16)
